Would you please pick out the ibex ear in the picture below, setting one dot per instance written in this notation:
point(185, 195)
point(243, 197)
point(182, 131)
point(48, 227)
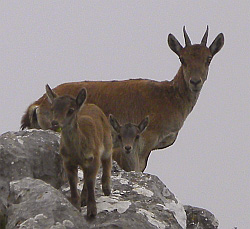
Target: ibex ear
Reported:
point(50, 94)
point(114, 123)
point(143, 124)
point(217, 44)
point(174, 44)
point(81, 97)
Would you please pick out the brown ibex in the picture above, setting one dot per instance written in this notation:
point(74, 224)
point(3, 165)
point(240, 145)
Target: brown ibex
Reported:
point(85, 141)
point(128, 138)
point(168, 103)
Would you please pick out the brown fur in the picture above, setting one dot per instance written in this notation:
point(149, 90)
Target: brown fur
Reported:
point(168, 103)
point(86, 142)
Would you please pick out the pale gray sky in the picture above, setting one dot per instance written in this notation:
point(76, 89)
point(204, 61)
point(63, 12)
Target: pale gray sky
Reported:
point(60, 41)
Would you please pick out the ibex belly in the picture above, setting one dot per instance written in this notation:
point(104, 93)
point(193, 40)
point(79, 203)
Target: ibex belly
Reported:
point(167, 140)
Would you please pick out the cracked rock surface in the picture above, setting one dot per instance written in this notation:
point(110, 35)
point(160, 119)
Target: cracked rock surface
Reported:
point(34, 192)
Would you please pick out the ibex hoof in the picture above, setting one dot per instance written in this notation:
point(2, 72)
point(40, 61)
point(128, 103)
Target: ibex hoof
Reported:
point(83, 202)
point(76, 203)
point(106, 191)
point(91, 211)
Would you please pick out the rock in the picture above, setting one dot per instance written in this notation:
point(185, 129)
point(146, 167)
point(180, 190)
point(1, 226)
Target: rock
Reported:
point(30, 154)
point(36, 204)
point(3, 213)
point(31, 170)
point(138, 200)
point(198, 218)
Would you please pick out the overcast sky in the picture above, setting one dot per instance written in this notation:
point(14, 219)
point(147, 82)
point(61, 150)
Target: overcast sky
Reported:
point(60, 41)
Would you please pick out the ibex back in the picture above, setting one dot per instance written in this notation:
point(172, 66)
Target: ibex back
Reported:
point(85, 141)
point(167, 103)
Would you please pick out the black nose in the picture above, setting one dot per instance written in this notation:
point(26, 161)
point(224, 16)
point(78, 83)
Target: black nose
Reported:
point(54, 124)
point(195, 82)
point(127, 148)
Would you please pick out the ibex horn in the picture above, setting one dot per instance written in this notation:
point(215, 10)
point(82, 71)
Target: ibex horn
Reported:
point(204, 39)
point(187, 39)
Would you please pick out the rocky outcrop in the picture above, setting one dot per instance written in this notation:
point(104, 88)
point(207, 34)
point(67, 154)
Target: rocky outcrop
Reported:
point(198, 218)
point(34, 192)
point(36, 204)
point(30, 154)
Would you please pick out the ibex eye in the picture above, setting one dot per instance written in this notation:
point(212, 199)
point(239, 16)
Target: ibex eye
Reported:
point(119, 137)
point(70, 111)
point(209, 59)
point(137, 136)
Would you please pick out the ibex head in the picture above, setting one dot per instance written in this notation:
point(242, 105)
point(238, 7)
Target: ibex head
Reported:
point(64, 108)
point(128, 134)
point(195, 59)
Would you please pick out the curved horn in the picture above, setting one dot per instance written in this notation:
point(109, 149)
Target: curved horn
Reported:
point(204, 39)
point(187, 39)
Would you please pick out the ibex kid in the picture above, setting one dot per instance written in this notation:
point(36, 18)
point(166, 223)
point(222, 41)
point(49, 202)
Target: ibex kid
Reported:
point(85, 141)
point(128, 138)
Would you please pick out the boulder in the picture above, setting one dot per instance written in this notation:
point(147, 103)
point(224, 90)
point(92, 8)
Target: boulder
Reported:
point(36, 204)
point(32, 153)
point(34, 192)
point(138, 200)
point(199, 218)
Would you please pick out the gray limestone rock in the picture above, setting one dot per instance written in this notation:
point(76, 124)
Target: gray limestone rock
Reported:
point(138, 200)
point(36, 204)
point(198, 218)
point(30, 154)
point(3, 213)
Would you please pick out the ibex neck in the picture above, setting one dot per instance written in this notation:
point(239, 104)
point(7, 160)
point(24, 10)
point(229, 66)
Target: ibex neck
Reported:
point(69, 131)
point(186, 98)
point(130, 161)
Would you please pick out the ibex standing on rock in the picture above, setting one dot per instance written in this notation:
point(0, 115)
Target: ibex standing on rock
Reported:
point(85, 141)
point(128, 138)
point(168, 103)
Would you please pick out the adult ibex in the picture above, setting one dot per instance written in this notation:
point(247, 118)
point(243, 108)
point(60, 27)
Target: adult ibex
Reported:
point(85, 141)
point(167, 103)
point(128, 138)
